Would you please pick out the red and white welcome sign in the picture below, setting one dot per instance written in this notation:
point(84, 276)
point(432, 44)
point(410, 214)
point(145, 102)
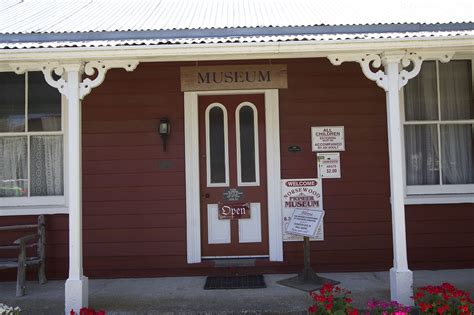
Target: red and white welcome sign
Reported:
point(300, 193)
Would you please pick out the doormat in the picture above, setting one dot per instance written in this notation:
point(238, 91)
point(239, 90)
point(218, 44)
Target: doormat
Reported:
point(235, 282)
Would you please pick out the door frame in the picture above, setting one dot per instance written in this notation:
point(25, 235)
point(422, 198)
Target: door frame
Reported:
point(191, 149)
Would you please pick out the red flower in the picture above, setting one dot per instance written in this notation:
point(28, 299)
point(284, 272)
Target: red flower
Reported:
point(328, 306)
point(347, 300)
point(354, 312)
point(419, 295)
point(448, 286)
point(464, 308)
point(327, 288)
point(442, 309)
point(320, 298)
point(312, 309)
point(424, 306)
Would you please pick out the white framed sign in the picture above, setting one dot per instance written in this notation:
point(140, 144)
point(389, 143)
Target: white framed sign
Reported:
point(304, 222)
point(328, 138)
point(329, 165)
point(300, 193)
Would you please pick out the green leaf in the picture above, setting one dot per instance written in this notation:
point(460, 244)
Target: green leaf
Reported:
point(340, 312)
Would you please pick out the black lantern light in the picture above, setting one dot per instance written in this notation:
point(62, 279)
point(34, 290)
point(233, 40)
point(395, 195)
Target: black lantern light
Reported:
point(164, 130)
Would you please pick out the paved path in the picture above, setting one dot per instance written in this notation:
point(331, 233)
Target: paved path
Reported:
point(185, 295)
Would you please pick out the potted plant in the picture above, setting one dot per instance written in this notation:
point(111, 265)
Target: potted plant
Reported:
point(332, 300)
point(443, 299)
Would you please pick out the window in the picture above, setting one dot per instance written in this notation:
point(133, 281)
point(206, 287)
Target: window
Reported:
point(439, 129)
point(31, 141)
point(247, 144)
point(216, 146)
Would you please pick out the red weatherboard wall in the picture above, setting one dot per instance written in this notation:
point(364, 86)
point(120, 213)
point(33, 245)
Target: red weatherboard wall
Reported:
point(134, 196)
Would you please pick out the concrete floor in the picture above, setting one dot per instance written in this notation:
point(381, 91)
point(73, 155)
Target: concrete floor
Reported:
point(185, 295)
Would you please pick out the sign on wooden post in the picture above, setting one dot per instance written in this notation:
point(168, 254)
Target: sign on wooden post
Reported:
point(304, 222)
point(301, 193)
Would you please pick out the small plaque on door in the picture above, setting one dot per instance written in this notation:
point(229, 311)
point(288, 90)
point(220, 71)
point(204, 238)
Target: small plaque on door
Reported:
point(234, 211)
point(233, 195)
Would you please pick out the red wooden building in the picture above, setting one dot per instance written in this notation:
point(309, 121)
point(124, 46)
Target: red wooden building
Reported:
point(216, 106)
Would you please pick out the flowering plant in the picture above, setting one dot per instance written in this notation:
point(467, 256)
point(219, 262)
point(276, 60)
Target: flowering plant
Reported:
point(384, 308)
point(8, 310)
point(443, 299)
point(332, 300)
point(87, 311)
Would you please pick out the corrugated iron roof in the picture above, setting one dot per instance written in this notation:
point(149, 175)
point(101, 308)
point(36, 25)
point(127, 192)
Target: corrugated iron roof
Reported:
point(102, 23)
point(71, 16)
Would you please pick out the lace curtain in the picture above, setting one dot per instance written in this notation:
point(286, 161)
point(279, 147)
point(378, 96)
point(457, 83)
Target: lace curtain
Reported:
point(456, 140)
point(46, 166)
point(421, 141)
point(13, 167)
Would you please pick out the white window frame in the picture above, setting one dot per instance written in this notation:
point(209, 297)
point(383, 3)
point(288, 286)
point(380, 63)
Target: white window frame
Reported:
point(256, 149)
point(435, 194)
point(33, 205)
point(208, 146)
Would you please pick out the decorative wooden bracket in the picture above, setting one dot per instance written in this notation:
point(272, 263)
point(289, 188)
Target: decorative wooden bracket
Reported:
point(371, 64)
point(54, 72)
point(100, 68)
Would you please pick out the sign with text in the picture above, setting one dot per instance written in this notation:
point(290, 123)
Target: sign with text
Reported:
point(233, 211)
point(329, 165)
point(330, 138)
point(304, 222)
point(233, 195)
point(300, 193)
point(236, 77)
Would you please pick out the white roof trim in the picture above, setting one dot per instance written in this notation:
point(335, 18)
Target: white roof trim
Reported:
point(236, 51)
point(237, 39)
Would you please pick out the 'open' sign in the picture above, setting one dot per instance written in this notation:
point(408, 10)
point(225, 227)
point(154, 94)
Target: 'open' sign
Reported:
point(233, 211)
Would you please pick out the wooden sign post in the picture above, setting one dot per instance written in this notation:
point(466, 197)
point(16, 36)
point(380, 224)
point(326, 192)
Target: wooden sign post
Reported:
point(305, 222)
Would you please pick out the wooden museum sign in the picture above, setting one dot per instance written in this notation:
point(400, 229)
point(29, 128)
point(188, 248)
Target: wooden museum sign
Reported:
point(237, 77)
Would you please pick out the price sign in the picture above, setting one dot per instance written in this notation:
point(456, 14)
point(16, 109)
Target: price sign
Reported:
point(329, 165)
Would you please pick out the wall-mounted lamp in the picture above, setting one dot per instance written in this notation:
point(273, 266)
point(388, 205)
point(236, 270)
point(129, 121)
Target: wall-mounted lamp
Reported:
point(164, 130)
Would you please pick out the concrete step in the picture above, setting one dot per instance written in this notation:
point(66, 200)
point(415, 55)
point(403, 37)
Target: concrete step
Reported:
point(234, 262)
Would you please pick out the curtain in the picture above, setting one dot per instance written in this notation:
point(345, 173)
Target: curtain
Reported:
point(51, 123)
point(456, 140)
point(13, 167)
point(421, 141)
point(47, 166)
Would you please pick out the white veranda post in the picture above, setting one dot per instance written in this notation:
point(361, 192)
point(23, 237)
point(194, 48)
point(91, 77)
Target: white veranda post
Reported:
point(401, 278)
point(392, 78)
point(76, 284)
point(72, 85)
